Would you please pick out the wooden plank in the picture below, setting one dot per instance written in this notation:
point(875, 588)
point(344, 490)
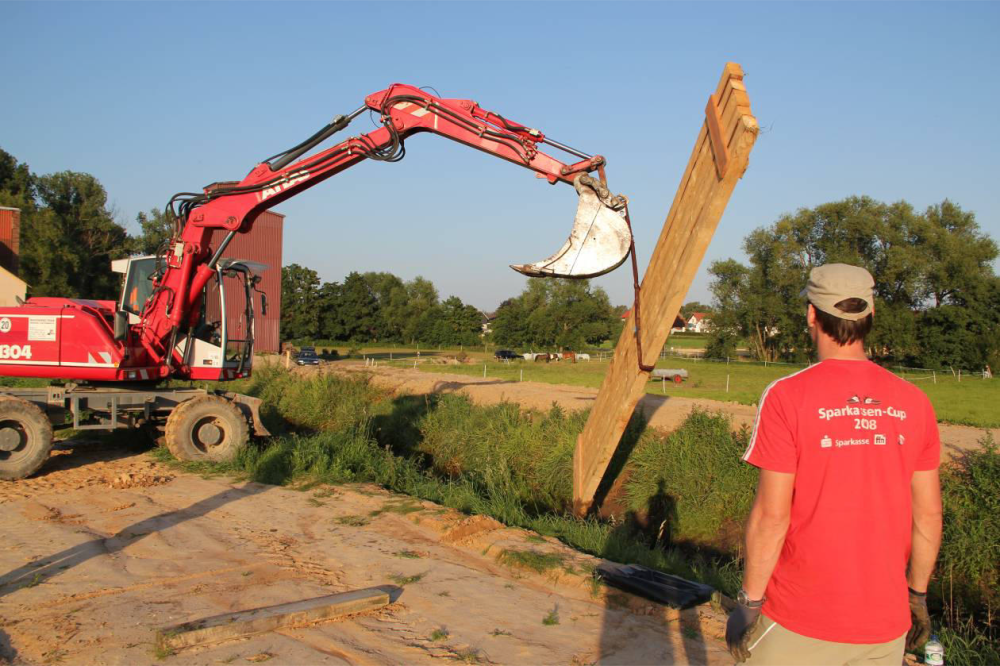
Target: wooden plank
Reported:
point(694, 215)
point(720, 149)
point(258, 620)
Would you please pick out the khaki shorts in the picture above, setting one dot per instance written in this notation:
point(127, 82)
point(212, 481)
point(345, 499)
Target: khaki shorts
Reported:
point(773, 645)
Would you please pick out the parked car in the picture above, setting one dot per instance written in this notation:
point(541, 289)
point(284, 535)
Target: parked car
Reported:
point(307, 356)
point(506, 355)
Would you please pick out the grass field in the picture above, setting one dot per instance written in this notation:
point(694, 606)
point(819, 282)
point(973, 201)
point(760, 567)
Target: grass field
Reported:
point(971, 401)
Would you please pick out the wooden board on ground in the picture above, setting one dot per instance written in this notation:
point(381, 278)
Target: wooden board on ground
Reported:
point(258, 620)
point(719, 159)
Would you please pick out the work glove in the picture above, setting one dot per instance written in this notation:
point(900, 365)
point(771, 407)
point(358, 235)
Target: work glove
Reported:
point(920, 630)
point(742, 621)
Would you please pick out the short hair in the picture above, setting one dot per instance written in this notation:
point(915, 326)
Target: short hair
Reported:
point(845, 331)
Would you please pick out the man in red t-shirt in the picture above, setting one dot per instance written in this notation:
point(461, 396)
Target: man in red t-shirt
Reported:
point(847, 515)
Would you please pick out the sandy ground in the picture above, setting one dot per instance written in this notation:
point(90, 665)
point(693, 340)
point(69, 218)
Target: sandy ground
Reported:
point(666, 413)
point(103, 547)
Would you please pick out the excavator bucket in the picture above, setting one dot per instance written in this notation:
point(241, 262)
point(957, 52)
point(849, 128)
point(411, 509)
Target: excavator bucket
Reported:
point(600, 240)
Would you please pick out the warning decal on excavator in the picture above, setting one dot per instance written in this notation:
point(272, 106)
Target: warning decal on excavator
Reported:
point(5, 325)
point(42, 328)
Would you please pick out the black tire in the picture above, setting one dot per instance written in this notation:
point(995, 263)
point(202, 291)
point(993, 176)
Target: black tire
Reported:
point(25, 438)
point(189, 435)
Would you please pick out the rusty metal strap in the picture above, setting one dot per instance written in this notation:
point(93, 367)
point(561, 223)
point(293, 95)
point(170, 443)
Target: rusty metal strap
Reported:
point(635, 305)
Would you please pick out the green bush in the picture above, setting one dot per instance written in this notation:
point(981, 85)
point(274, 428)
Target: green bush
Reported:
point(967, 584)
point(525, 454)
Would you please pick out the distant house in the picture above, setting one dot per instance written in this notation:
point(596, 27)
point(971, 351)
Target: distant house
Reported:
point(699, 322)
point(486, 321)
point(676, 328)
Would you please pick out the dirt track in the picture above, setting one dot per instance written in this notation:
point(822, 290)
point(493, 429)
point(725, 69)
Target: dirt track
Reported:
point(89, 571)
point(666, 413)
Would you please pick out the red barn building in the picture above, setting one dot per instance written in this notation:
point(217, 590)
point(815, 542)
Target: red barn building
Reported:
point(10, 238)
point(263, 245)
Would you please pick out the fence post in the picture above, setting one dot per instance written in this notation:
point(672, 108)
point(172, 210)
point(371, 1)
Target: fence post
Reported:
point(727, 383)
point(484, 371)
point(934, 376)
point(960, 374)
point(414, 364)
point(522, 375)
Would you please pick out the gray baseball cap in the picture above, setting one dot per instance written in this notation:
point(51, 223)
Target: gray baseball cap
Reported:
point(831, 283)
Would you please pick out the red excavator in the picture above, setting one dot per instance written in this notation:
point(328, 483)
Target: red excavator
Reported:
point(171, 319)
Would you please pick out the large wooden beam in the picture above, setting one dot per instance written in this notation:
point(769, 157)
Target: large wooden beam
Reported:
point(719, 159)
point(258, 620)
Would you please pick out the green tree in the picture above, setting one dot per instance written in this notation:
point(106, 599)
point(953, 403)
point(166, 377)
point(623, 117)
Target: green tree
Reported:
point(300, 303)
point(568, 314)
point(331, 324)
point(17, 184)
point(389, 292)
point(155, 228)
point(463, 322)
point(510, 327)
point(416, 313)
point(920, 262)
point(359, 310)
point(67, 244)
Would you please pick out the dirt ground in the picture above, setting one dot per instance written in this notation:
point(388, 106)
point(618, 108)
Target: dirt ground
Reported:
point(664, 412)
point(103, 547)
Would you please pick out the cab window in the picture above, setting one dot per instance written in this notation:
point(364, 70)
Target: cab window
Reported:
point(138, 285)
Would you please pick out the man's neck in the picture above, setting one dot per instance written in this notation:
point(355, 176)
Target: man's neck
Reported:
point(827, 348)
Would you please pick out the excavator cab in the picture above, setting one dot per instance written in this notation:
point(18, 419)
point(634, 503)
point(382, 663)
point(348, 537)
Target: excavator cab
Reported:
point(220, 344)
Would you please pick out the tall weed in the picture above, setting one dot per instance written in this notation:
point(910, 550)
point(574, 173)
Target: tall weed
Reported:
point(967, 584)
point(693, 481)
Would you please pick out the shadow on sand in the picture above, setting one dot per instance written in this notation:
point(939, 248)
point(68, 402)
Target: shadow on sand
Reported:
point(48, 567)
point(687, 643)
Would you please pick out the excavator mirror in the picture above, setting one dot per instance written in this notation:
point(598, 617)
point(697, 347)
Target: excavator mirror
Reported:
point(121, 325)
point(263, 304)
point(599, 242)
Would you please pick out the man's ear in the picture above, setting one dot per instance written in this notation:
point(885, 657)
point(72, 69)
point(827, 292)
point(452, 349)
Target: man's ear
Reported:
point(810, 315)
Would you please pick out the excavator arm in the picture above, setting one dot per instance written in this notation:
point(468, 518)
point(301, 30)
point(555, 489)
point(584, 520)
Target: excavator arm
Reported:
point(600, 241)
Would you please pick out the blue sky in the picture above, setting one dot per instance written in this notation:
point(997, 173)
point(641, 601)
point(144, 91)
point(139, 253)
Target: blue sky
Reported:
point(896, 101)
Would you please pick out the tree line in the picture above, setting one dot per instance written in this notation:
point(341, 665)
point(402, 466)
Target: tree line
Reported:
point(69, 233)
point(937, 297)
point(373, 307)
point(379, 307)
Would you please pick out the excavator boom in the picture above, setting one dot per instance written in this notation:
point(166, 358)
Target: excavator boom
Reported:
point(599, 242)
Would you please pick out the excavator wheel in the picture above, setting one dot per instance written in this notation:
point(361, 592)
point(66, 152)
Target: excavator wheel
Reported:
point(25, 438)
point(206, 428)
